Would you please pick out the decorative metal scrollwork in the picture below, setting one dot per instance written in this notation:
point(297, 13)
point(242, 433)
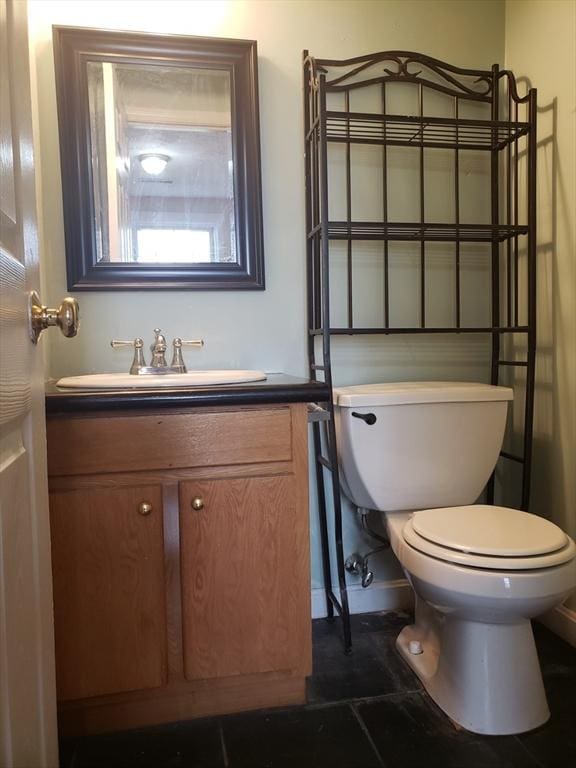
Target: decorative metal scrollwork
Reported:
point(474, 84)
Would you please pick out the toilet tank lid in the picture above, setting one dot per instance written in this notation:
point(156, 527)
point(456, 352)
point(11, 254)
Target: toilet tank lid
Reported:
point(405, 392)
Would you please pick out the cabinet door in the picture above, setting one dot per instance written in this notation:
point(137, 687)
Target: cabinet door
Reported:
point(108, 567)
point(245, 582)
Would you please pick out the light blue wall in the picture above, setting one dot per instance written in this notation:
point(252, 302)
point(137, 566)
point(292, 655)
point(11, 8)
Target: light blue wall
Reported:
point(262, 329)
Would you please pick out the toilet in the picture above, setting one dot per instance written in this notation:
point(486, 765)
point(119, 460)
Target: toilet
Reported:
point(421, 453)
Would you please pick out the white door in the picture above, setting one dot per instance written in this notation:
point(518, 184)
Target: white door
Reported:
point(27, 686)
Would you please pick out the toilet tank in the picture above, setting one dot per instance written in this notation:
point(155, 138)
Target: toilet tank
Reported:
point(432, 444)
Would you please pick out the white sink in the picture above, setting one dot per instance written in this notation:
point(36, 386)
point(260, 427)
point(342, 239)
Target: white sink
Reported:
point(157, 381)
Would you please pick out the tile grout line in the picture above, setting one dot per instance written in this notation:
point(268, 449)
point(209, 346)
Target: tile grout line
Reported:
point(366, 733)
point(362, 699)
point(223, 745)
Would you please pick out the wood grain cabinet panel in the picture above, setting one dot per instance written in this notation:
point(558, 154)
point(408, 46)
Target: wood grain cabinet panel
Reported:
point(242, 556)
point(193, 609)
point(110, 617)
point(169, 441)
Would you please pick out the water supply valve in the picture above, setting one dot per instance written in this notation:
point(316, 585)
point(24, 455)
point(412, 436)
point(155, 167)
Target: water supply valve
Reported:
point(354, 564)
point(367, 575)
point(358, 566)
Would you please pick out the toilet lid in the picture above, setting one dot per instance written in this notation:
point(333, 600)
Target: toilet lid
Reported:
point(505, 547)
point(489, 530)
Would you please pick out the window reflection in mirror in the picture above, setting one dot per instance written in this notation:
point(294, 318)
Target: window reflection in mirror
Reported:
point(161, 163)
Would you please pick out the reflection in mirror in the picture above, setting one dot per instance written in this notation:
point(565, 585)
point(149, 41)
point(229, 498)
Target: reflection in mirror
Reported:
point(160, 160)
point(161, 163)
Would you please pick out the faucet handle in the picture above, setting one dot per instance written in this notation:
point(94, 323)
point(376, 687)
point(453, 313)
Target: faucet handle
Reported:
point(138, 361)
point(178, 365)
point(115, 343)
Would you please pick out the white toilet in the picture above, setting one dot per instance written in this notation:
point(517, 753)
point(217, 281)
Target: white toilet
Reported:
point(421, 452)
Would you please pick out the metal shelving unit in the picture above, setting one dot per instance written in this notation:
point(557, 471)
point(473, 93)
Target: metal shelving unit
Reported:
point(508, 136)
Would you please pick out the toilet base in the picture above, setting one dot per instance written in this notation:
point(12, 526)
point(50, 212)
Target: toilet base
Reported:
point(485, 677)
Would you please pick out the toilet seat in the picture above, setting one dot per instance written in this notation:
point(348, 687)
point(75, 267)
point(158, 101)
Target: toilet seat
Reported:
point(483, 536)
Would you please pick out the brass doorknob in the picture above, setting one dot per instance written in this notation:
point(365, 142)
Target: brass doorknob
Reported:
point(197, 503)
point(66, 317)
point(144, 508)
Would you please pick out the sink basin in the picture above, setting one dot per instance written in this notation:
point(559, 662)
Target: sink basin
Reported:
point(156, 381)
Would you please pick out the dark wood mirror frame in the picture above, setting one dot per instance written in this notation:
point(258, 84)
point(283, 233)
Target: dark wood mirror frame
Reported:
point(73, 48)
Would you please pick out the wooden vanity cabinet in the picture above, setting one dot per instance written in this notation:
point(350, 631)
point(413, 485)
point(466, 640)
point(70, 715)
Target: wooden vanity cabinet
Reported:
point(181, 563)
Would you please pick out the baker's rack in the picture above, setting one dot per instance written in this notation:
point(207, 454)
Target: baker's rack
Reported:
point(508, 135)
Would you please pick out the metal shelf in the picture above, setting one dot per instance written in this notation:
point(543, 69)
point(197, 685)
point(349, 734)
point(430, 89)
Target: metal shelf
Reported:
point(510, 235)
point(429, 132)
point(428, 232)
point(389, 330)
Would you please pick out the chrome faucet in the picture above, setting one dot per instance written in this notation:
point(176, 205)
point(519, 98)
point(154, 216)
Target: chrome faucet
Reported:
point(158, 350)
point(158, 363)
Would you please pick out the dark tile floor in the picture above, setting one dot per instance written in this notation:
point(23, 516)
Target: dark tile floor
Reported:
point(366, 710)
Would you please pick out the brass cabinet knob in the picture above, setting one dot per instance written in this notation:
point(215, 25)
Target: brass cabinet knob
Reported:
point(144, 508)
point(197, 503)
point(66, 317)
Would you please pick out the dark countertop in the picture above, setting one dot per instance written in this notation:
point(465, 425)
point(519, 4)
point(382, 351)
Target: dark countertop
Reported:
point(277, 388)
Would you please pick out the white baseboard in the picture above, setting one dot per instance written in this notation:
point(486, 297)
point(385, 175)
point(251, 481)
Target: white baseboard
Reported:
point(561, 621)
point(379, 596)
point(398, 596)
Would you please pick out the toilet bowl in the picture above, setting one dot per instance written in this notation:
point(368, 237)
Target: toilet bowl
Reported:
point(479, 572)
point(477, 657)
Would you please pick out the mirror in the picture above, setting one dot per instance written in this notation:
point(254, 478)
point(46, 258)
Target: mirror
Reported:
point(160, 157)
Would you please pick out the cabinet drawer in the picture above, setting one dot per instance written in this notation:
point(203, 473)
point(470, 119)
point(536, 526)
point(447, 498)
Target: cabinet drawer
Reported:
point(173, 441)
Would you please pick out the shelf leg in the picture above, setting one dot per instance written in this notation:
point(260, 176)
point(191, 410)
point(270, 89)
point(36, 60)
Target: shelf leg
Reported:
point(345, 609)
point(322, 516)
